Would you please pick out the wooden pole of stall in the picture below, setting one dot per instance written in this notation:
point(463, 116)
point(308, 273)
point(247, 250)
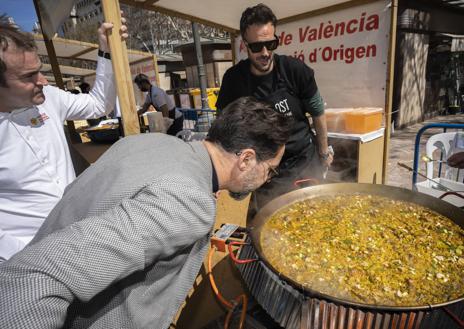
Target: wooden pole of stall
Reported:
point(389, 100)
point(73, 135)
point(233, 37)
point(121, 69)
point(155, 66)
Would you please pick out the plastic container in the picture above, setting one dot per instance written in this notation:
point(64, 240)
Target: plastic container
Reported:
point(363, 120)
point(335, 119)
point(212, 94)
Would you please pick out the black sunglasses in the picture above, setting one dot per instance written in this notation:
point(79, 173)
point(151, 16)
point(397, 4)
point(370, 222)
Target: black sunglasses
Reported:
point(257, 47)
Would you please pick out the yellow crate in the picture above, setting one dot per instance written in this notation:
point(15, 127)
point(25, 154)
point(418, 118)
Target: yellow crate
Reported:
point(212, 97)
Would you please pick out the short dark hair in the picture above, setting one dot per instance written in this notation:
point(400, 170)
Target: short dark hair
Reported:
point(250, 123)
point(11, 34)
point(259, 14)
point(85, 87)
point(141, 78)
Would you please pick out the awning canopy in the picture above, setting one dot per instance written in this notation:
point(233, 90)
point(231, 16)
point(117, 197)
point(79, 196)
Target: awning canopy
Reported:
point(67, 70)
point(225, 13)
point(72, 49)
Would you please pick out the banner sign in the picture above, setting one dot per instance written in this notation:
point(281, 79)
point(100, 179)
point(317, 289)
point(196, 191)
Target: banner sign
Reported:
point(347, 49)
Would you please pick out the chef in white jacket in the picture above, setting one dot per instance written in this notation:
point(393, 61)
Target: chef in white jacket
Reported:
point(35, 163)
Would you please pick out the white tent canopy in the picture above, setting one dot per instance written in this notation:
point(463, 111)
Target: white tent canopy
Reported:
point(226, 13)
point(73, 49)
point(67, 70)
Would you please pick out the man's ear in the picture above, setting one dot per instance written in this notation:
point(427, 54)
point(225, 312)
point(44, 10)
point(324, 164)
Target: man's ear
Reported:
point(247, 159)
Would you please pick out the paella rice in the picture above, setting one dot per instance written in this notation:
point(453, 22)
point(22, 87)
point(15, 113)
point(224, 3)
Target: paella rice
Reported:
point(367, 249)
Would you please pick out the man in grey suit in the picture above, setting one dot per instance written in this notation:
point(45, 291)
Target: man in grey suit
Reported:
point(124, 245)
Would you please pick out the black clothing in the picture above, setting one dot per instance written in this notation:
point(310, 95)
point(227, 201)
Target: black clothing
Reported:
point(289, 87)
point(177, 125)
point(237, 81)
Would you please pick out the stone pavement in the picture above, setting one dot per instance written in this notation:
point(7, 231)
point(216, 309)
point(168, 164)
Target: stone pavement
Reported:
point(402, 149)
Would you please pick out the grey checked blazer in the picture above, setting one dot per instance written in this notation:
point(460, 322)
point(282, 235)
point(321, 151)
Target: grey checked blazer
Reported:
point(123, 247)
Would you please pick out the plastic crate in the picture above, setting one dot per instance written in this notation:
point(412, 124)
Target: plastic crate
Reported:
point(212, 94)
point(198, 120)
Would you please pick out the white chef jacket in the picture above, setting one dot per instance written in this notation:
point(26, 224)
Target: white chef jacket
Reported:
point(35, 163)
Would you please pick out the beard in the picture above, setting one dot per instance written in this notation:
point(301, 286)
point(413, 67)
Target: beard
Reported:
point(249, 185)
point(260, 64)
point(239, 196)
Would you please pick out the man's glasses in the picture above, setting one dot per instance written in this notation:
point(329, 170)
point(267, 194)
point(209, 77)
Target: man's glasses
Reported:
point(257, 47)
point(271, 172)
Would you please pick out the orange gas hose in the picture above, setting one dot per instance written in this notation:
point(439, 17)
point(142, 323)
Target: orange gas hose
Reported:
point(230, 305)
point(213, 283)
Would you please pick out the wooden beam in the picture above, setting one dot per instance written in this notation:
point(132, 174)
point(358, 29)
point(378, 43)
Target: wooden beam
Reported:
point(169, 12)
point(121, 69)
point(141, 60)
point(155, 66)
point(389, 87)
point(88, 48)
point(73, 135)
point(68, 70)
point(82, 52)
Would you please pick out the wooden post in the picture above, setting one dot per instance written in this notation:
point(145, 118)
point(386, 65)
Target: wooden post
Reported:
point(389, 100)
point(121, 69)
point(73, 135)
point(232, 42)
point(155, 66)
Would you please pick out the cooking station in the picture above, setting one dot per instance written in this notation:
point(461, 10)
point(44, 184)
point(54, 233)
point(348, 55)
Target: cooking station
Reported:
point(295, 306)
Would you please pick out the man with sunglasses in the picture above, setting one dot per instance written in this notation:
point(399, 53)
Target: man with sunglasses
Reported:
point(289, 85)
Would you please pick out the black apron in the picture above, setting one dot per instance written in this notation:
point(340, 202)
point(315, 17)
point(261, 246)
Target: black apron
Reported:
point(299, 160)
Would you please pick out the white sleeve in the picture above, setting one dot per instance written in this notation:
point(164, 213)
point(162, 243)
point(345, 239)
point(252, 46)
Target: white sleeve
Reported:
point(100, 101)
point(9, 245)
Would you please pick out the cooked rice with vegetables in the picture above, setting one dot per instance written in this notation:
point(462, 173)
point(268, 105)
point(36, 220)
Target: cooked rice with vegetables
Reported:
point(368, 249)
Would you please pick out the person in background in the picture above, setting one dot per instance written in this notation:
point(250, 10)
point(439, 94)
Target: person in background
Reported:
point(289, 85)
point(35, 163)
point(161, 102)
point(122, 250)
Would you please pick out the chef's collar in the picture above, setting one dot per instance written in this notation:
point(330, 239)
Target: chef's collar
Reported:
point(215, 179)
point(17, 111)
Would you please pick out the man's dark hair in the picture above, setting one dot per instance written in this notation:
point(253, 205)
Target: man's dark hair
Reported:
point(259, 14)
point(141, 78)
point(10, 34)
point(85, 87)
point(249, 123)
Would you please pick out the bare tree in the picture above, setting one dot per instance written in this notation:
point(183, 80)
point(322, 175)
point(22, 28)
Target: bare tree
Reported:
point(148, 30)
point(160, 32)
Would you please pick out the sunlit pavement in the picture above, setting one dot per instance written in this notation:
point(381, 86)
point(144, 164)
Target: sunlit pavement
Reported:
point(402, 149)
